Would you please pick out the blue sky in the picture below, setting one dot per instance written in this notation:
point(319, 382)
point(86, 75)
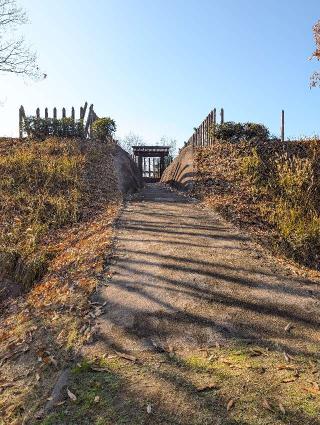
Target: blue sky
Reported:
point(159, 66)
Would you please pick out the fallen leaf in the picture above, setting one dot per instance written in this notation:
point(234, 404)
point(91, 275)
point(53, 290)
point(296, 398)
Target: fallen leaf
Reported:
point(288, 327)
point(287, 357)
point(126, 356)
point(254, 352)
point(71, 395)
point(99, 369)
point(312, 390)
point(230, 404)
point(96, 399)
point(316, 386)
point(266, 405)
point(149, 408)
point(37, 377)
point(207, 387)
point(228, 362)
point(285, 367)
point(53, 361)
point(283, 410)
point(287, 380)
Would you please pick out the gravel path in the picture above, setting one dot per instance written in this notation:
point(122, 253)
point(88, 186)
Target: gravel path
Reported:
point(182, 278)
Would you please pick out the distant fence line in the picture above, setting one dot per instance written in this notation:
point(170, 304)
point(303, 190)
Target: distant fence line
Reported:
point(87, 121)
point(204, 135)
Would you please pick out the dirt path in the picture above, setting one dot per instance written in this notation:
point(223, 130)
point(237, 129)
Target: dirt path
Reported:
point(199, 327)
point(185, 279)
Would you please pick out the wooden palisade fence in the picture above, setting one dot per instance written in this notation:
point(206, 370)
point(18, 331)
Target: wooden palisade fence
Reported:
point(204, 134)
point(87, 121)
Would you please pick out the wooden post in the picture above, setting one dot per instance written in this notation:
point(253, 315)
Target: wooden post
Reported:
point(46, 115)
point(73, 115)
point(282, 126)
point(140, 164)
point(63, 112)
point(161, 165)
point(205, 132)
point(211, 127)
point(21, 122)
point(54, 113)
point(202, 133)
point(38, 113)
point(85, 109)
point(88, 123)
point(222, 115)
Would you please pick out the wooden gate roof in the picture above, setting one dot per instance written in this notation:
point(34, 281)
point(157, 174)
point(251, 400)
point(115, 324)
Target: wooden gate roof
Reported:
point(151, 151)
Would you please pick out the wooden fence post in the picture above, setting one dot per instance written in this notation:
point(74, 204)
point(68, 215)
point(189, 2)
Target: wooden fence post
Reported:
point(63, 112)
point(21, 122)
point(222, 116)
point(72, 114)
point(202, 133)
point(54, 113)
point(46, 115)
point(282, 126)
point(88, 123)
point(207, 130)
point(210, 127)
point(38, 113)
point(84, 110)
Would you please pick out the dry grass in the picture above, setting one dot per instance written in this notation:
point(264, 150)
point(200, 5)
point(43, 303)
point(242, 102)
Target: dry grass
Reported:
point(44, 186)
point(42, 330)
point(270, 189)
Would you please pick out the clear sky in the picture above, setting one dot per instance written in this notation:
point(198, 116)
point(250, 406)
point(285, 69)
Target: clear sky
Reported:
point(159, 66)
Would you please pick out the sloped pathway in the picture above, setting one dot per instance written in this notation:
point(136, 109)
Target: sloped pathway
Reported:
point(182, 278)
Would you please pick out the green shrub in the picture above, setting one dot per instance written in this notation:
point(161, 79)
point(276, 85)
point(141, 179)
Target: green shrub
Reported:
point(255, 131)
point(41, 128)
point(235, 132)
point(103, 128)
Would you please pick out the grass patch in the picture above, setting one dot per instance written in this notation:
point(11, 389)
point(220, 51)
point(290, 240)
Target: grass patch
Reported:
point(175, 389)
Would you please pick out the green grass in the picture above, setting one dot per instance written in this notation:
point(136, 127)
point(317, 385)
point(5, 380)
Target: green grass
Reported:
point(247, 376)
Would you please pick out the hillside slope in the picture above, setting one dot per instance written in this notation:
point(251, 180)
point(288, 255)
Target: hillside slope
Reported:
point(59, 199)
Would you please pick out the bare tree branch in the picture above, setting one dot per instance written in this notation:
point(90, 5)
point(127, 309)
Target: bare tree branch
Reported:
point(15, 55)
point(315, 77)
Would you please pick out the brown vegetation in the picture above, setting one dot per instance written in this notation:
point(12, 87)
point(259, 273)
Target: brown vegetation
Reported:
point(46, 186)
point(271, 188)
point(59, 200)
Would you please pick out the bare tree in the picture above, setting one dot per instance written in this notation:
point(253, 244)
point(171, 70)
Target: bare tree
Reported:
point(130, 140)
point(171, 143)
point(15, 55)
point(315, 77)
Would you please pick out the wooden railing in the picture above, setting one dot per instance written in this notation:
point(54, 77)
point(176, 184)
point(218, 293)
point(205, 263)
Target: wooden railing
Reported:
point(87, 121)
